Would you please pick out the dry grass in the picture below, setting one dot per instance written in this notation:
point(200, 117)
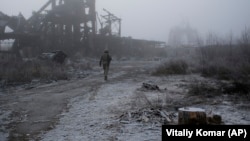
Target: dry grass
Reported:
point(18, 71)
point(171, 67)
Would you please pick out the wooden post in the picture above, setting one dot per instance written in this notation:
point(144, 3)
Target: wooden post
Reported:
point(190, 115)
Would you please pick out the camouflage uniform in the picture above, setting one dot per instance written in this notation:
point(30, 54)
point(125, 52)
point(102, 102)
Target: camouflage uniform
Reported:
point(105, 61)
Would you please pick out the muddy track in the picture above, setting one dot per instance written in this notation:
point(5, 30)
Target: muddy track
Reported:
point(38, 109)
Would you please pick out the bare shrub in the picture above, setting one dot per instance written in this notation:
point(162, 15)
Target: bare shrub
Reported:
point(218, 71)
point(172, 67)
point(226, 61)
point(244, 43)
point(224, 64)
point(206, 89)
point(18, 71)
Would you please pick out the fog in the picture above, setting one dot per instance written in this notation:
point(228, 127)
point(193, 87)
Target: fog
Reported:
point(153, 19)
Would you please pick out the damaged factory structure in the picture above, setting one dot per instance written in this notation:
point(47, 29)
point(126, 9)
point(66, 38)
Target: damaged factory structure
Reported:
point(70, 26)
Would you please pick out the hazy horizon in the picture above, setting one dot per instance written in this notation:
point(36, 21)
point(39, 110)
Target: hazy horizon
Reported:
point(153, 19)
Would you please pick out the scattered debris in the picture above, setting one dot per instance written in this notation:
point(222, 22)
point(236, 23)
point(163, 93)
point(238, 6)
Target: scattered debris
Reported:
point(162, 117)
point(148, 86)
point(148, 115)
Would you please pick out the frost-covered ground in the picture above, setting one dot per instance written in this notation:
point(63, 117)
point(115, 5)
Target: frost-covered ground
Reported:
point(93, 117)
point(91, 109)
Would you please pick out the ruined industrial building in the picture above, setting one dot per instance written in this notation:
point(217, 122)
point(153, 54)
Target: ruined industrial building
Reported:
point(70, 26)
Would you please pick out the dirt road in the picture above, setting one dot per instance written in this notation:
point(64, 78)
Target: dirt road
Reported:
point(90, 108)
point(27, 111)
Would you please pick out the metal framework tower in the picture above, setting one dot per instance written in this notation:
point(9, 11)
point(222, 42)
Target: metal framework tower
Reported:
point(111, 25)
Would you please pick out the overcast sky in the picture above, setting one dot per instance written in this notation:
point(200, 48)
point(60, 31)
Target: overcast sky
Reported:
point(153, 19)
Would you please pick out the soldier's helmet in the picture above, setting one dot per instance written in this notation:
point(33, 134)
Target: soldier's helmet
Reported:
point(106, 50)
